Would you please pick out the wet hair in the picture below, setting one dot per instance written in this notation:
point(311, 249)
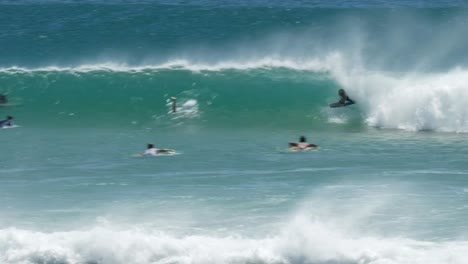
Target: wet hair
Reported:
point(302, 139)
point(9, 118)
point(150, 146)
point(341, 91)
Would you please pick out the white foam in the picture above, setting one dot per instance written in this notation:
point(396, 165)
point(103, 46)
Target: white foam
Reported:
point(187, 109)
point(312, 64)
point(301, 241)
point(413, 101)
point(334, 116)
point(9, 127)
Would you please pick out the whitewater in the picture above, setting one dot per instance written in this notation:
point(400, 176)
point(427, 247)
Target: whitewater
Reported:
point(90, 84)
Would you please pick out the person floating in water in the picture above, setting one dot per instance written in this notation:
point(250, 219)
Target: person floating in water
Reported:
point(3, 99)
point(152, 151)
point(301, 145)
point(174, 104)
point(8, 122)
point(344, 97)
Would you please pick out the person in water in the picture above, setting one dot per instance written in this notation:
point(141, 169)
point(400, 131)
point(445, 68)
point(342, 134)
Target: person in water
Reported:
point(3, 99)
point(152, 151)
point(344, 97)
point(301, 145)
point(8, 122)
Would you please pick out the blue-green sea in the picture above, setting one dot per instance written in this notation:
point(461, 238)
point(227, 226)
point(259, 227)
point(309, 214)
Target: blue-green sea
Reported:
point(89, 85)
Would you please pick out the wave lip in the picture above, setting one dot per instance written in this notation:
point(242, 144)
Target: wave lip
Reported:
point(308, 64)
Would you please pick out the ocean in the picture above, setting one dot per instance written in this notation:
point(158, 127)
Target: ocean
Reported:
point(89, 84)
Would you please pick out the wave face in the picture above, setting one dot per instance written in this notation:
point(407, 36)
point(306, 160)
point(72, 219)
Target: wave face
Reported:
point(276, 64)
point(215, 98)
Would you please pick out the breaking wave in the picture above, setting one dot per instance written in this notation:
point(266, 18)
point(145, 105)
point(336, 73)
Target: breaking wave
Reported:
point(297, 91)
point(301, 241)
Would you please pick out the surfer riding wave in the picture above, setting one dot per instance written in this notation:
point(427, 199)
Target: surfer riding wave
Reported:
point(344, 99)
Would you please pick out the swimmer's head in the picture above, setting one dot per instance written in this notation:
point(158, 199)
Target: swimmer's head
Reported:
point(10, 118)
point(150, 146)
point(302, 139)
point(341, 92)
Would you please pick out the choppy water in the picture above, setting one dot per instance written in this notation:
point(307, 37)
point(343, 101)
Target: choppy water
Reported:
point(89, 84)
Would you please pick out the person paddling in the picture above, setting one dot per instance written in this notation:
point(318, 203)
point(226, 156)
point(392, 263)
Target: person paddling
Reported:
point(152, 151)
point(301, 145)
point(3, 99)
point(8, 122)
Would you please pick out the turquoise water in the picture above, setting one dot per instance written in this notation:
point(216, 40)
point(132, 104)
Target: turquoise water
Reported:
point(89, 84)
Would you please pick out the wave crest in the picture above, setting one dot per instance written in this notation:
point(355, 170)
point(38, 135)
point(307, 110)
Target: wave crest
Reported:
point(307, 64)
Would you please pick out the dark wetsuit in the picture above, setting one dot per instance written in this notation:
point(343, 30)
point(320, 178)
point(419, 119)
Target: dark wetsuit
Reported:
point(3, 99)
point(345, 98)
point(6, 123)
